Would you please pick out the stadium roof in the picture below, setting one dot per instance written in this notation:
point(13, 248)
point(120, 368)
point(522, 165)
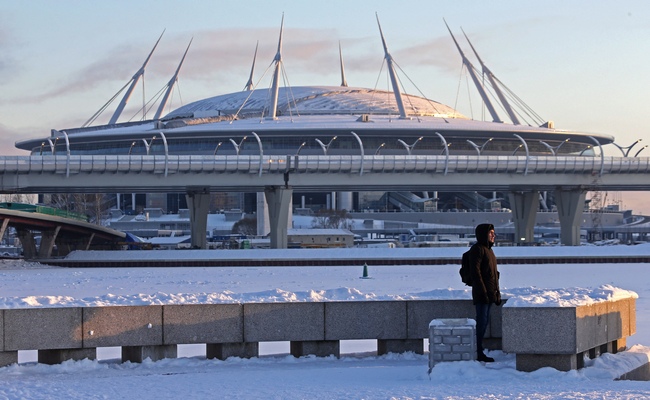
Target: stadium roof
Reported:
point(310, 100)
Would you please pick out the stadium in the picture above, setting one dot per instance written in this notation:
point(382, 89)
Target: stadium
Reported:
point(327, 120)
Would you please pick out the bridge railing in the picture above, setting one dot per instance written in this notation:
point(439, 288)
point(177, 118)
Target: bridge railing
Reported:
point(254, 164)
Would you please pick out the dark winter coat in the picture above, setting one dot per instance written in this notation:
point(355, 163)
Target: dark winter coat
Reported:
point(484, 272)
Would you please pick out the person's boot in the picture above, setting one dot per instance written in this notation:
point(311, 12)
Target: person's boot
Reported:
point(483, 358)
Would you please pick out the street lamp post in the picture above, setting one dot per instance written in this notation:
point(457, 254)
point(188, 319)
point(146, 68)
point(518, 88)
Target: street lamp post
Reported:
point(325, 147)
point(238, 146)
point(553, 150)
point(626, 150)
point(147, 145)
point(640, 150)
point(409, 148)
point(480, 148)
point(300, 147)
point(379, 148)
point(217, 148)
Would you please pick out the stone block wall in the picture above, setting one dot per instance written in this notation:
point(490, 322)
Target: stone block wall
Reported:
point(452, 340)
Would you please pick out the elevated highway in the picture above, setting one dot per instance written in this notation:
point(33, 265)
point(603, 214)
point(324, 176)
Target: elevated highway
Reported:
point(178, 173)
point(68, 234)
point(523, 177)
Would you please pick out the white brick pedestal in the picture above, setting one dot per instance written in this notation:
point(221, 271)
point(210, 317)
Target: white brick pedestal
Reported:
point(451, 340)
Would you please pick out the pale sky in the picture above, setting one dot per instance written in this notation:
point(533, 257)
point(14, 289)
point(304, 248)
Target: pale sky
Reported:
point(582, 64)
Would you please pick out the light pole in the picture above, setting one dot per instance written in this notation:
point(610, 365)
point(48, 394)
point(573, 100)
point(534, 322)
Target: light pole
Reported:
point(626, 150)
point(640, 150)
point(131, 148)
point(238, 146)
point(587, 148)
point(42, 144)
point(379, 148)
point(480, 148)
point(553, 150)
point(409, 148)
point(147, 145)
point(517, 149)
point(56, 139)
point(300, 148)
point(325, 147)
point(217, 148)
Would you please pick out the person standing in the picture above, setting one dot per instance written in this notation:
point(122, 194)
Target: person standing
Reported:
point(485, 282)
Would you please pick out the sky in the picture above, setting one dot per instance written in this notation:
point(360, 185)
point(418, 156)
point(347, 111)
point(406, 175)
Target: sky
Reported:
point(359, 373)
point(581, 64)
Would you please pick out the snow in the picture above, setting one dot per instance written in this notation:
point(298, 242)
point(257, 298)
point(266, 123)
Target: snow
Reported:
point(359, 373)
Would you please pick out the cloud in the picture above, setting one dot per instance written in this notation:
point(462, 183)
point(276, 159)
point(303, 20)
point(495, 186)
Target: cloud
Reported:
point(223, 55)
point(8, 138)
point(222, 59)
point(8, 65)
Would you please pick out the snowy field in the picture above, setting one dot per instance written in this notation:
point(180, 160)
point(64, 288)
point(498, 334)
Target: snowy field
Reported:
point(358, 374)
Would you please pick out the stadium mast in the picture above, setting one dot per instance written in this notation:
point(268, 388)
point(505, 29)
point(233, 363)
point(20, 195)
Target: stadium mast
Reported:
point(497, 89)
point(393, 76)
point(249, 85)
point(134, 81)
point(276, 75)
point(344, 83)
point(477, 83)
point(170, 85)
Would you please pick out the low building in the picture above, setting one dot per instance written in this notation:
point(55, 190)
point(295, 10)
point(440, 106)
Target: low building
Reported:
point(317, 238)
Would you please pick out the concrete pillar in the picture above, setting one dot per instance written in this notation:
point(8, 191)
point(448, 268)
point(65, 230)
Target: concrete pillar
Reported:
point(279, 204)
point(48, 237)
point(561, 362)
point(263, 223)
point(57, 356)
point(89, 241)
point(345, 201)
point(524, 211)
point(385, 346)
point(3, 227)
point(198, 203)
point(570, 205)
point(26, 238)
point(318, 348)
point(8, 358)
point(221, 351)
point(140, 353)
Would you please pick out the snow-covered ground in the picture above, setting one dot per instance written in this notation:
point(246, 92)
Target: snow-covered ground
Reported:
point(358, 373)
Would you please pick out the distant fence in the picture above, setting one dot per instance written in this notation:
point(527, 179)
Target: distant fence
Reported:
point(44, 210)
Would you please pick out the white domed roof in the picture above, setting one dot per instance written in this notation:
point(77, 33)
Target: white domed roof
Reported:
point(313, 100)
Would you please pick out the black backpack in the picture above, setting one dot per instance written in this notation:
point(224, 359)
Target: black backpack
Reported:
point(465, 275)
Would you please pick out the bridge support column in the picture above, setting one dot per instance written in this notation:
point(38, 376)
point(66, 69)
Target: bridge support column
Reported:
point(26, 238)
point(3, 227)
point(345, 201)
point(570, 205)
point(524, 210)
point(198, 201)
point(263, 225)
point(278, 200)
point(48, 237)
